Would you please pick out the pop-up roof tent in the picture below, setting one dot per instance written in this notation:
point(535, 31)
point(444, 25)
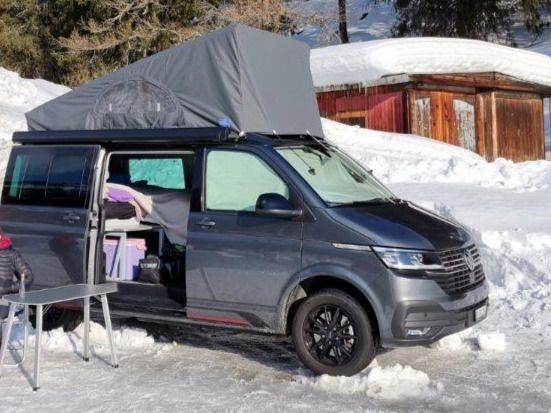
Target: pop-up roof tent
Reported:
point(239, 77)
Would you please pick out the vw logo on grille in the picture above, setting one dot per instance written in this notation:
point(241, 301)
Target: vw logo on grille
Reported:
point(469, 260)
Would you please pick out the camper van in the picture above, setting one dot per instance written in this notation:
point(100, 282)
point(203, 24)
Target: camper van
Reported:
point(276, 234)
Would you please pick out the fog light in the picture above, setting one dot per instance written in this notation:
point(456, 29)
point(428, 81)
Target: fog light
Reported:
point(418, 332)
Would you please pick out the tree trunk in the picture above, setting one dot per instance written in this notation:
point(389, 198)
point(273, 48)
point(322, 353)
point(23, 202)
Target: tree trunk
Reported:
point(343, 29)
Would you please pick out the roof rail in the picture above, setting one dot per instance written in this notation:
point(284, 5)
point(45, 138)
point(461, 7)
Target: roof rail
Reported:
point(172, 135)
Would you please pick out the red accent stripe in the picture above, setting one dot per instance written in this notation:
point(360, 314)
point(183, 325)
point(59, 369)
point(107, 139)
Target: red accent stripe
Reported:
point(219, 320)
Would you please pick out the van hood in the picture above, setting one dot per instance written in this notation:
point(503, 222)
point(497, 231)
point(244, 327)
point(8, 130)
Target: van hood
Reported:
point(401, 225)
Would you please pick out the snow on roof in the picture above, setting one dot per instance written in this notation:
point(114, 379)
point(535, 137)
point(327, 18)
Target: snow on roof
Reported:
point(365, 62)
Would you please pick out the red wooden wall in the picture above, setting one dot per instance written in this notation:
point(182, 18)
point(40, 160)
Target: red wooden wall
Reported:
point(381, 111)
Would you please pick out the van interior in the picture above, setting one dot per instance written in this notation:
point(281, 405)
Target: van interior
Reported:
point(145, 208)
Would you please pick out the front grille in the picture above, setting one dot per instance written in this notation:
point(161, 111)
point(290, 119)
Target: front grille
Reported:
point(457, 277)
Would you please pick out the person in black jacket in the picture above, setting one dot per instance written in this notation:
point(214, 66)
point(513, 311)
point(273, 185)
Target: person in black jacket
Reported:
point(12, 268)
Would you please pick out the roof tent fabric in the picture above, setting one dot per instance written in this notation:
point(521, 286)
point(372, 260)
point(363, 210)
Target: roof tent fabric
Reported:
point(238, 77)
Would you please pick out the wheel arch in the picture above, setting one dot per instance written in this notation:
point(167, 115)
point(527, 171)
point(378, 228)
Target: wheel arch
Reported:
point(317, 279)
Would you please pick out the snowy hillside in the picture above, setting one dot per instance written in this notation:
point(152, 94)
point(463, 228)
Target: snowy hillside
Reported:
point(18, 96)
point(503, 364)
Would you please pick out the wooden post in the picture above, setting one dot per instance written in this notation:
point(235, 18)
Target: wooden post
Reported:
point(493, 120)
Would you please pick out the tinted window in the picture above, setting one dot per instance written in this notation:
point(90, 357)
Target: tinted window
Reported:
point(48, 177)
point(65, 180)
point(235, 180)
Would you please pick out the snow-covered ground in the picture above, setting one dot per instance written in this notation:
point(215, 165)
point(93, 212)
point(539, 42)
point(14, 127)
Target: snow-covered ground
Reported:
point(503, 364)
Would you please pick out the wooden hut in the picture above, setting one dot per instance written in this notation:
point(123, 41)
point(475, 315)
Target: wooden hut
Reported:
point(489, 113)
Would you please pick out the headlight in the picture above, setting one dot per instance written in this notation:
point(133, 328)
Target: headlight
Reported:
point(402, 259)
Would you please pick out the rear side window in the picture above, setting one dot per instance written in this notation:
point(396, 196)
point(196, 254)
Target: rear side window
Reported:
point(48, 177)
point(166, 171)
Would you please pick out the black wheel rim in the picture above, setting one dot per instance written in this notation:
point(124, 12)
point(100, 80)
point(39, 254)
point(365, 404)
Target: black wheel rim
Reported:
point(330, 335)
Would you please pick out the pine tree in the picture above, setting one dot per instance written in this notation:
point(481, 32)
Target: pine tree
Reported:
point(343, 23)
point(74, 41)
point(20, 37)
point(475, 19)
point(533, 12)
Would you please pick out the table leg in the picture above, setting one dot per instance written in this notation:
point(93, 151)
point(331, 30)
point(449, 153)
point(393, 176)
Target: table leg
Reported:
point(37, 345)
point(25, 332)
point(6, 339)
point(86, 355)
point(107, 319)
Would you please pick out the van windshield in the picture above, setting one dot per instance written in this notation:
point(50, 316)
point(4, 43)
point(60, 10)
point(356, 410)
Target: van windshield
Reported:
point(336, 178)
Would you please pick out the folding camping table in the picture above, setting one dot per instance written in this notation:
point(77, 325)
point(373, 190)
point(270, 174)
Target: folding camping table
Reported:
point(40, 298)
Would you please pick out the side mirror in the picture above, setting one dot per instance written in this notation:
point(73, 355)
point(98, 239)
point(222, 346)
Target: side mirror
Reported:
point(276, 205)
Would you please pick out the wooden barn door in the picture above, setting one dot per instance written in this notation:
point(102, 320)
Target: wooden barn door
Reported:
point(445, 116)
point(519, 123)
point(421, 119)
point(463, 109)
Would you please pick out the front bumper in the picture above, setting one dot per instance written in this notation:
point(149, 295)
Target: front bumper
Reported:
point(422, 322)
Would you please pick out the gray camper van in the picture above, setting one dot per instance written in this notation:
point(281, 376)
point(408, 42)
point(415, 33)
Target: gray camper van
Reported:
point(285, 235)
point(199, 180)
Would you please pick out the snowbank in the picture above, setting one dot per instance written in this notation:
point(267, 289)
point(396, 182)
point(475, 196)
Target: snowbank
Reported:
point(17, 96)
point(362, 62)
point(391, 383)
point(409, 158)
point(125, 338)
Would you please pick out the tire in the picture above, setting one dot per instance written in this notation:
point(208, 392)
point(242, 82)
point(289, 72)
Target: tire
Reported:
point(56, 317)
point(326, 348)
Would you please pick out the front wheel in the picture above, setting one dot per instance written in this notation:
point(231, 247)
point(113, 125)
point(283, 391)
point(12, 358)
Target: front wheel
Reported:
point(332, 334)
point(56, 317)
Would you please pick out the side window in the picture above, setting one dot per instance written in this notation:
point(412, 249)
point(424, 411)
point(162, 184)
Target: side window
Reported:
point(66, 178)
point(235, 180)
point(165, 173)
point(47, 177)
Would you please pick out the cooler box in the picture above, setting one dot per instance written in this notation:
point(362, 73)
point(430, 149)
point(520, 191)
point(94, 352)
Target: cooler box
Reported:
point(135, 251)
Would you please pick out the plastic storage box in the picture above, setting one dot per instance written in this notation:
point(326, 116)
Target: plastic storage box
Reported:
point(130, 254)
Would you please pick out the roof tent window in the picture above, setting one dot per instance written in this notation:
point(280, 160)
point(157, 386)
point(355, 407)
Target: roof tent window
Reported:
point(136, 96)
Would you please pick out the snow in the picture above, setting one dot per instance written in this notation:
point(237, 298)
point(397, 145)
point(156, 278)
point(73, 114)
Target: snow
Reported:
point(391, 383)
point(17, 96)
point(502, 364)
point(363, 62)
point(492, 341)
point(408, 158)
point(366, 21)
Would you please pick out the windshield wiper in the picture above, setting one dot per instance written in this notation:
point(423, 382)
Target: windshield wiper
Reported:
point(374, 201)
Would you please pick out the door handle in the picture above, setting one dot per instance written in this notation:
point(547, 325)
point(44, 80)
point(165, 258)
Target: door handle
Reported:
point(206, 223)
point(71, 218)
